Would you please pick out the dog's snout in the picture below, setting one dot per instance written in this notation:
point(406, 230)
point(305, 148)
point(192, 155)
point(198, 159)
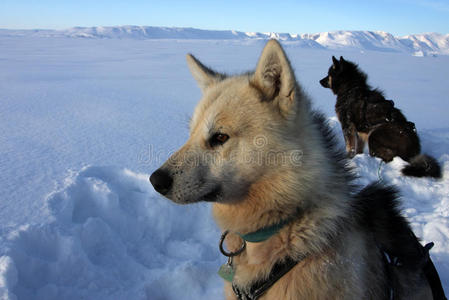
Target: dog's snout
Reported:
point(161, 181)
point(325, 82)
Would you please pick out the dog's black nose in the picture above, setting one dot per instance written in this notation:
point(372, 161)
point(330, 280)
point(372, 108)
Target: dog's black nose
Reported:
point(325, 82)
point(161, 181)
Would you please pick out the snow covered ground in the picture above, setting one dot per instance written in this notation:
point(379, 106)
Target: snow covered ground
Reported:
point(84, 122)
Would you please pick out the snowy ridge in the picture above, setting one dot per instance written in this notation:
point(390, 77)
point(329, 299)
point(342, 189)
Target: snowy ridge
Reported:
point(417, 44)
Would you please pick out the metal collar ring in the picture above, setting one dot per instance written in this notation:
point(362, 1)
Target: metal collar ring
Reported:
point(230, 254)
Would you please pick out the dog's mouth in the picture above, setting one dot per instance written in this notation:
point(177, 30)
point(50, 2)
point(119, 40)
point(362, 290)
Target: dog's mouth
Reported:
point(212, 196)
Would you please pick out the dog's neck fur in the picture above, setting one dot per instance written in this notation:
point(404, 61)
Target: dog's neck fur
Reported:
point(354, 79)
point(346, 87)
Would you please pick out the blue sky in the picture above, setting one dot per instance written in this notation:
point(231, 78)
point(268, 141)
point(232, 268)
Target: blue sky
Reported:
point(399, 17)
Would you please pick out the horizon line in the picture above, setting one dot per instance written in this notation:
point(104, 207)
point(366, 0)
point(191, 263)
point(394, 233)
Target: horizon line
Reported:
point(236, 30)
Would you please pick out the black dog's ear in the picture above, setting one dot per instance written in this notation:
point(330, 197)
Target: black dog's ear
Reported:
point(335, 61)
point(342, 59)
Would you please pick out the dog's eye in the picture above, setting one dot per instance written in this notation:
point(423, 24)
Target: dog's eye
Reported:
point(218, 139)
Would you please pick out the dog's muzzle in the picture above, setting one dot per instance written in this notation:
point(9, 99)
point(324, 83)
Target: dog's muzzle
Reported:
point(325, 82)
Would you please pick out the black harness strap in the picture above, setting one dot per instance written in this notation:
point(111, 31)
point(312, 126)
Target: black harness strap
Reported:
point(260, 287)
point(391, 262)
point(283, 267)
point(434, 281)
point(432, 275)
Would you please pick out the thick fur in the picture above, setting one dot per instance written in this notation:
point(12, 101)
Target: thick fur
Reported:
point(420, 163)
point(366, 116)
point(276, 159)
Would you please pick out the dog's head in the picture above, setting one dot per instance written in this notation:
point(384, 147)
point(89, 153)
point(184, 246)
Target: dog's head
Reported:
point(334, 72)
point(234, 132)
point(340, 74)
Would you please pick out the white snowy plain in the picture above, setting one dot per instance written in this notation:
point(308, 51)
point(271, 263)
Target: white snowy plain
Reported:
point(85, 121)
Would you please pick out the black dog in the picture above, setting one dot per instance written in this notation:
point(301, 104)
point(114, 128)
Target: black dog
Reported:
point(366, 116)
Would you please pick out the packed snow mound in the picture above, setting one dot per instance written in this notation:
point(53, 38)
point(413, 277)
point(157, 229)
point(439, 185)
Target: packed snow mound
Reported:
point(427, 44)
point(112, 237)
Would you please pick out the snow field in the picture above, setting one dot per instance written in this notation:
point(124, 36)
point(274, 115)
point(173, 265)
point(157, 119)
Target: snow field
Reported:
point(84, 123)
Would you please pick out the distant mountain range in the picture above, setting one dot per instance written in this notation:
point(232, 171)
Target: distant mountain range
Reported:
point(416, 44)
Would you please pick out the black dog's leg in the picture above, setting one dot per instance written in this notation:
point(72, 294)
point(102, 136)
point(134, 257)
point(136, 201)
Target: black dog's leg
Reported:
point(350, 135)
point(377, 148)
point(361, 138)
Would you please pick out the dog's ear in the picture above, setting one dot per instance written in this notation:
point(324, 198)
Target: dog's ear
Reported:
point(202, 74)
point(335, 61)
point(274, 76)
point(342, 59)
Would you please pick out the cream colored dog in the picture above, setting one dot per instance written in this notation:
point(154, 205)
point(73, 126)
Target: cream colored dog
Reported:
point(269, 164)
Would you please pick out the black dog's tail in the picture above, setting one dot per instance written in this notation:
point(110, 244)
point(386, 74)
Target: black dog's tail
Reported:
point(422, 165)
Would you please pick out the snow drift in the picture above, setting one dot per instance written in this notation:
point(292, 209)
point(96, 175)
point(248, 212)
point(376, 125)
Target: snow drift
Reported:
point(111, 237)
